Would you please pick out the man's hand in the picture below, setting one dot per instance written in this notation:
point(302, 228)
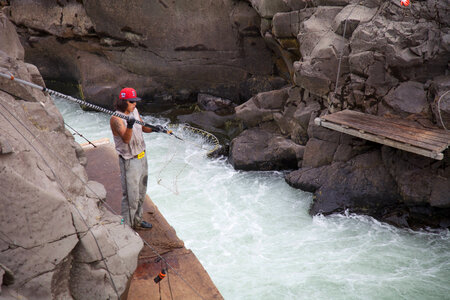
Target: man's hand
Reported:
point(130, 122)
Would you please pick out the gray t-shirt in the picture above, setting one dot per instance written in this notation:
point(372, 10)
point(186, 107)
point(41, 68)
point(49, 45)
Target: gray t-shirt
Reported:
point(136, 144)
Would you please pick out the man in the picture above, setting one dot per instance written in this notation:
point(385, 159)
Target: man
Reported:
point(130, 146)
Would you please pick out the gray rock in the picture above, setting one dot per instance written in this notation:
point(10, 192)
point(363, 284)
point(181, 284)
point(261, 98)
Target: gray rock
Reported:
point(95, 190)
point(257, 149)
point(314, 28)
point(322, 133)
point(318, 153)
point(308, 77)
point(330, 2)
point(353, 15)
point(218, 105)
point(261, 107)
point(409, 97)
point(44, 208)
point(5, 146)
point(212, 122)
point(363, 185)
point(288, 24)
point(159, 51)
point(10, 41)
point(268, 8)
point(418, 182)
point(440, 193)
point(296, 4)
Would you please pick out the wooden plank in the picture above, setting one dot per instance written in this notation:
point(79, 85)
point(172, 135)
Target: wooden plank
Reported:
point(403, 131)
point(357, 124)
point(397, 121)
point(391, 132)
point(397, 129)
point(384, 141)
point(400, 123)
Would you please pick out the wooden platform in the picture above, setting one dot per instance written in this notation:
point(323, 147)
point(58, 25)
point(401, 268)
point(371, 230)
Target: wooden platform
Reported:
point(392, 132)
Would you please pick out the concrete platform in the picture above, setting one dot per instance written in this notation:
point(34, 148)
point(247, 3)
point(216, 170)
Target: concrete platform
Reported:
point(188, 279)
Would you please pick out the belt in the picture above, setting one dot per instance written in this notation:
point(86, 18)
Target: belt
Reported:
point(139, 156)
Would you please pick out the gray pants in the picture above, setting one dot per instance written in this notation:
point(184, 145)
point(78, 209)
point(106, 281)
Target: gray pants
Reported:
point(134, 174)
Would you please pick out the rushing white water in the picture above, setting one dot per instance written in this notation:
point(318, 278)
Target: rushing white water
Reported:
point(253, 234)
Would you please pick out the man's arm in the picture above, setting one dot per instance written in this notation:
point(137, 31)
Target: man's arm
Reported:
point(119, 129)
point(146, 129)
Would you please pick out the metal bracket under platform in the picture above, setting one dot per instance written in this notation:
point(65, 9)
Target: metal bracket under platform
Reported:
point(397, 133)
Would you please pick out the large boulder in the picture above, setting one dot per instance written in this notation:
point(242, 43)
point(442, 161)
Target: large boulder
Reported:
point(409, 97)
point(262, 107)
point(362, 185)
point(50, 212)
point(259, 149)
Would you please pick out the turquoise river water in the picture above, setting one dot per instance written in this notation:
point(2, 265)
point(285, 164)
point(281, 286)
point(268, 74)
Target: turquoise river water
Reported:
point(254, 236)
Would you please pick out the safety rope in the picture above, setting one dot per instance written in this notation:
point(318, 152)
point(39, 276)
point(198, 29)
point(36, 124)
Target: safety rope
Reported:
point(58, 180)
point(82, 136)
point(103, 201)
point(170, 287)
point(439, 109)
point(342, 52)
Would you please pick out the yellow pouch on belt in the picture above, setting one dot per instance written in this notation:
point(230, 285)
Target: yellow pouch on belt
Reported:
point(141, 155)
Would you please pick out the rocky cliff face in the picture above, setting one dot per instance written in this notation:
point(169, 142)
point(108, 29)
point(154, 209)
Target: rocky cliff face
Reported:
point(49, 211)
point(168, 50)
point(372, 56)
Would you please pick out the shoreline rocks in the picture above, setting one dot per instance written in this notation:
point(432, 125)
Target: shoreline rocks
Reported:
point(49, 209)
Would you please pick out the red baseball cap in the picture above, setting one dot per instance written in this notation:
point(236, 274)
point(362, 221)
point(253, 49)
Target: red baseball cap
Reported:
point(129, 94)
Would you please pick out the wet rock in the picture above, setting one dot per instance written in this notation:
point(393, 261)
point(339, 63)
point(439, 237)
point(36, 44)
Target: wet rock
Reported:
point(362, 185)
point(421, 181)
point(257, 149)
point(218, 105)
